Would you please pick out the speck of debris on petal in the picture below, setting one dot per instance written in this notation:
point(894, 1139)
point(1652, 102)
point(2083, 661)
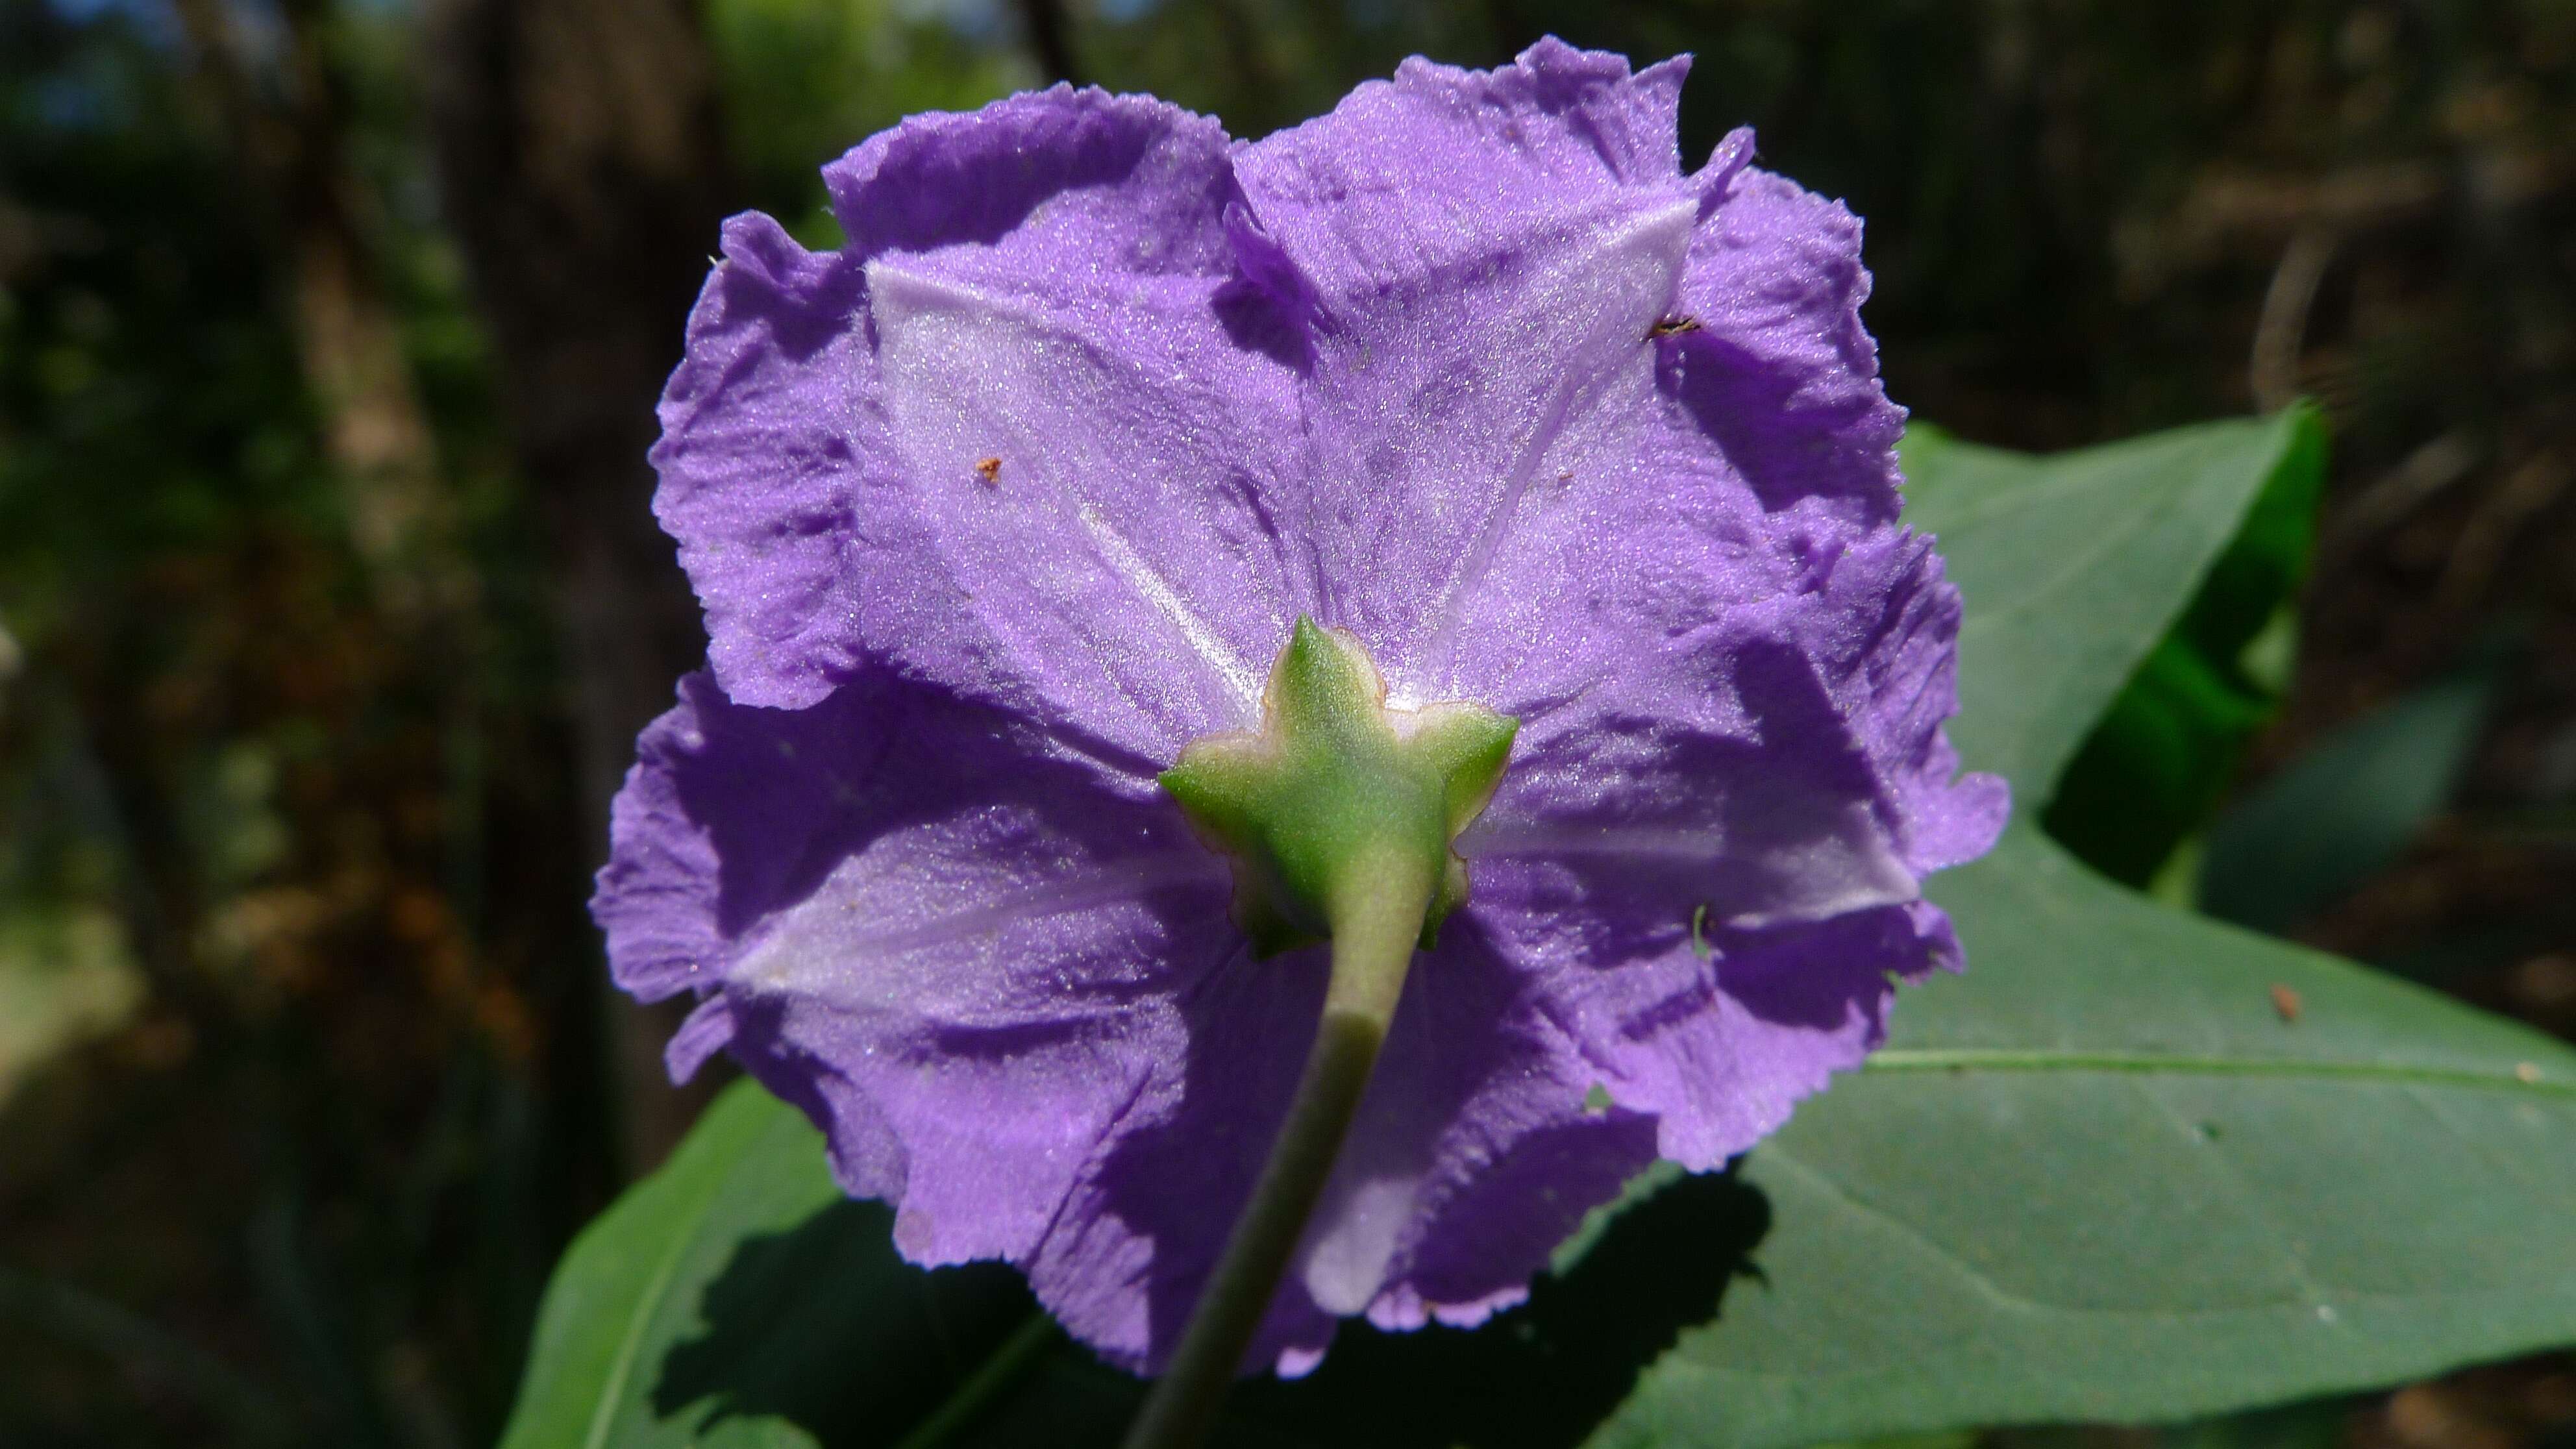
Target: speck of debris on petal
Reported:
point(2286, 1002)
point(990, 470)
point(2526, 1072)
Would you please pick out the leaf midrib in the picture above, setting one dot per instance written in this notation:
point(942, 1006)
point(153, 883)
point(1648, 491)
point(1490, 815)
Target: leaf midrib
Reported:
point(2033, 1059)
point(649, 1301)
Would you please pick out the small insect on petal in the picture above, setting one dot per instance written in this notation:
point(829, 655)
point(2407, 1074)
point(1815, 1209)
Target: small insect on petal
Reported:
point(990, 470)
point(1673, 326)
point(2286, 1002)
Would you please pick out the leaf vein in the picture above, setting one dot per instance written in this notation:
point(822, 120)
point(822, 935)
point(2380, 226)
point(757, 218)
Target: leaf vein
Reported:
point(2022, 1059)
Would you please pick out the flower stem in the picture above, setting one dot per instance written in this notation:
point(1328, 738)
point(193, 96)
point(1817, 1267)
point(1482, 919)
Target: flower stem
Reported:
point(1377, 913)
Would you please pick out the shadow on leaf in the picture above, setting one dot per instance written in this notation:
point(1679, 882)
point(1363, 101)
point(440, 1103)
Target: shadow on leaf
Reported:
point(1545, 1373)
point(825, 1328)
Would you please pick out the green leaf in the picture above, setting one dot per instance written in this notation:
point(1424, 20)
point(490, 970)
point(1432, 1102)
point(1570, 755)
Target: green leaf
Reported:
point(736, 1298)
point(2074, 566)
point(2100, 1177)
point(2105, 1175)
point(2153, 770)
point(2346, 807)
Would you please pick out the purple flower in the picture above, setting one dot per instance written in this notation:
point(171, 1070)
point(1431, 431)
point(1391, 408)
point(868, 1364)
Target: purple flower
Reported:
point(1002, 505)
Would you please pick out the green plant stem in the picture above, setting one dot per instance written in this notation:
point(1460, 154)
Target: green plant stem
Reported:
point(1377, 918)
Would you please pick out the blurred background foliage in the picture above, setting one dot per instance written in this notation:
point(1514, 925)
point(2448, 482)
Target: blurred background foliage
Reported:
point(328, 337)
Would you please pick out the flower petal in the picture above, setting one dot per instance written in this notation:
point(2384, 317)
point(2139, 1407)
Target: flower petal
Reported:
point(1144, 1222)
point(767, 468)
point(954, 945)
point(1473, 1155)
point(1709, 844)
point(1765, 747)
point(1485, 255)
point(1119, 549)
point(1722, 787)
point(1079, 179)
point(1006, 438)
point(1730, 667)
point(1718, 1048)
point(1470, 1158)
point(1776, 367)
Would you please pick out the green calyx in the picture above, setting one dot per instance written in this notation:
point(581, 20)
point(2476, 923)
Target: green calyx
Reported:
point(1336, 792)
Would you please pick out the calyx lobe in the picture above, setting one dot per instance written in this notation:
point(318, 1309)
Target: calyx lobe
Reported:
point(1333, 787)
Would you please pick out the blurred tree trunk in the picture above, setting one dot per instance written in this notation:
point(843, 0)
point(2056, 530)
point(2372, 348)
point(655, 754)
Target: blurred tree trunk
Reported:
point(293, 150)
point(583, 162)
point(1051, 40)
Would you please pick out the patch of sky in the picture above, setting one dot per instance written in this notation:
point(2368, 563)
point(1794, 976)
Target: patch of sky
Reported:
point(983, 21)
point(153, 21)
